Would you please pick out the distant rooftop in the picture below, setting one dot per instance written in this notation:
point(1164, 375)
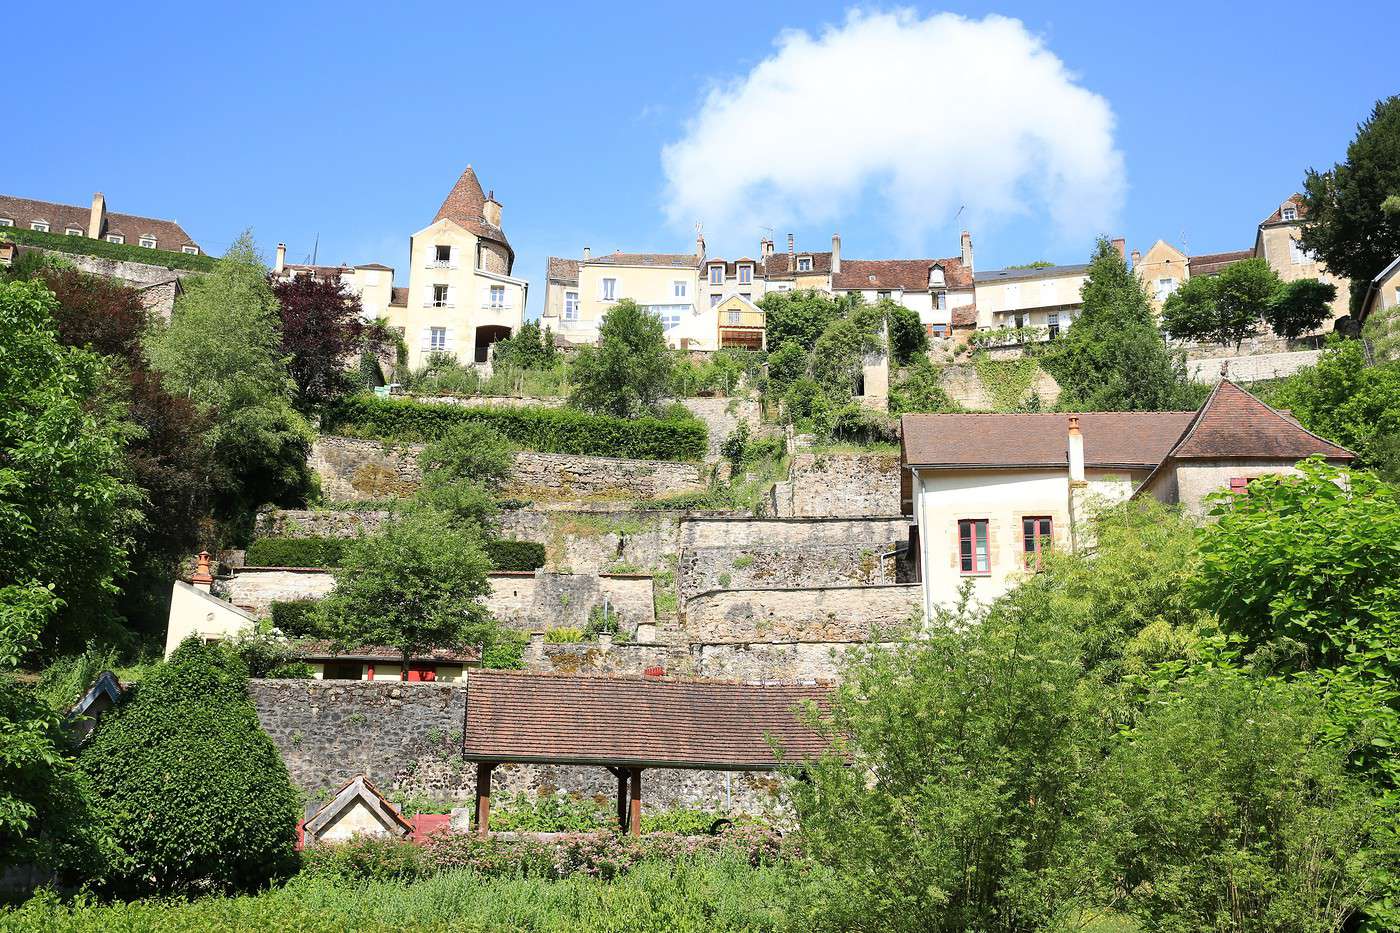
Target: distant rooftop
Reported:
point(1045, 272)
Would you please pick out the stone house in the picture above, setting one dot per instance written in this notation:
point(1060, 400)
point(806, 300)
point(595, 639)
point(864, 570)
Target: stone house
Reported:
point(97, 223)
point(986, 494)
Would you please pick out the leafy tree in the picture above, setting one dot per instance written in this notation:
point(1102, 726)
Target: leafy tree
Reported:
point(907, 335)
point(1301, 307)
point(383, 354)
point(260, 456)
point(785, 366)
point(838, 358)
point(194, 793)
point(321, 325)
point(921, 390)
point(1114, 358)
point(1224, 308)
point(527, 348)
point(798, 317)
point(469, 451)
point(630, 369)
point(1346, 223)
point(415, 585)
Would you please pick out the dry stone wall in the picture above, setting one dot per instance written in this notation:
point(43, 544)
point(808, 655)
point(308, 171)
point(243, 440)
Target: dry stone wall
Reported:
point(1252, 367)
point(255, 589)
point(828, 484)
point(828, 614)
point(596, 540)
point(318, 523)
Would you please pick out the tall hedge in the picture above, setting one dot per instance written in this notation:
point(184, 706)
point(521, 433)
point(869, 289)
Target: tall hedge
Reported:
point(125, 252)
point(549, 430)
point(507, 554)
point(192, 790)
point(295, 552)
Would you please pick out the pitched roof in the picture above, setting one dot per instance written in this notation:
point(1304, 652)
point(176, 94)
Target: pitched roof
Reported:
point(1121, 439)
point(1211, 263)
point(636, 721)
point(168, 234)
point(1234, 424)
point(398, 297)
point(1293, 200)
point(465, 206)
point(965, 316)
point(563, 270)
point(678, 260)
point(776, 265)
point(325, 650)
point(910, 275)
point(1044, 272)
point(358, 789)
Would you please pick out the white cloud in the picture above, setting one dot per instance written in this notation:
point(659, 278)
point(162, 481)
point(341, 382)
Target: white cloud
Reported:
point(922, 114)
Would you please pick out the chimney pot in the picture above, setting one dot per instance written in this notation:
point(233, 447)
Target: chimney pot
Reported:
point(1137, 258)
point(203, 577)
point(587, 254)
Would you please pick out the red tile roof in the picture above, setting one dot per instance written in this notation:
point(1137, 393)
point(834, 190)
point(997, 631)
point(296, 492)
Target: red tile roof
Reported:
point(563, 270)
point(1234, 424)
point(168, 234)
point(1121, 439)
point(776, 265)
point(673, 260)
point(1211, 263)
point(636, 721)
point(465, 206)
point(910, 275)
point(1293, 200)
point(398, 297)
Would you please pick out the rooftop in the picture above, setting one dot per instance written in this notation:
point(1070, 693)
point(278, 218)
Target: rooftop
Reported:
point(1118, 439)
point(1044, 272)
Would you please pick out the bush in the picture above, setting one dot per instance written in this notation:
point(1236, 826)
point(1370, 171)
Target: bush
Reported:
point(193, 792)
point(295, 552)
point(556, 813)
point(124, 252)
point(367, 858)
point(468, 451)
point(551, 430)
point(507, 554)
point(563, 635)
point(296, 617)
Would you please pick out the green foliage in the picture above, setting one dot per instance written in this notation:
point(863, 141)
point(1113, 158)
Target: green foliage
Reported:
point(1224, 308)
point(527, 348)
point(602, 620)
point(1346, 223)
point(295, 552)
point(296, 618)
point(907, 336)
point(555, 813)
point(735, 446)
point(442, 374)
point(470, 451)
point(124, 252)
point(1114, 358)
point(260, 456)
point(786, 366)
point(1005, 336)
point(797, 317)
point(563, 635)
point(268, 655)
point(1302, 306)
point(505, 652)
point(508, 554)
point(1008, 382)
point(920, 389)
point(194, 794)
point(551, 430)
point(838, 358)
point(629, 371)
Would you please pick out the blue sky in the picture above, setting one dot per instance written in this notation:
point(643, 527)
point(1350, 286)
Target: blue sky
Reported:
point(350, 121)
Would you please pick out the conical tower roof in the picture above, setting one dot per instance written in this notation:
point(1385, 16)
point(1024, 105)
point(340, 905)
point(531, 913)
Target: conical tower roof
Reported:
point(465, 206)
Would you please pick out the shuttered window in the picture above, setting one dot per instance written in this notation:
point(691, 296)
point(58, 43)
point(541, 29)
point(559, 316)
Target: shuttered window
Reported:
point(973, 552)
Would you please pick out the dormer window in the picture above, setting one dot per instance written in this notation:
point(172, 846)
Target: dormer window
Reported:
point(935, 277)
point(717, 274)
point(190, 250)
point(116, 238)
point(1290, 212)
point(745, 275)
point(804, 264)
point(73, 231)
point(41, 226)
point(148, 241)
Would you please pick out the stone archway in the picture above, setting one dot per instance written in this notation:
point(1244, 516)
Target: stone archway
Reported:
point(486, 335)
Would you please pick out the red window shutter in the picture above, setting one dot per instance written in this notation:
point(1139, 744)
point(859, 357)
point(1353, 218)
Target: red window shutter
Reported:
point(1238, 484)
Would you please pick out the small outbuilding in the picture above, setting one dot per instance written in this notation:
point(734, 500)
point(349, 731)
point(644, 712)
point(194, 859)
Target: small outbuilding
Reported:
point(357, 809)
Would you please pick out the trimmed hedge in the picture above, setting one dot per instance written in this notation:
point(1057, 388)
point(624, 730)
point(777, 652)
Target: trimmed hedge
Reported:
point(548, 430)
point(515, 555)
point(295, 552)
point(124, 252)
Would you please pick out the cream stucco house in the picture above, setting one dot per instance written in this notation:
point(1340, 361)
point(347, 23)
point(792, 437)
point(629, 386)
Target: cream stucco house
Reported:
point(1382, 294)
point(372, 283)
point(987, 494)
point(1047, 297)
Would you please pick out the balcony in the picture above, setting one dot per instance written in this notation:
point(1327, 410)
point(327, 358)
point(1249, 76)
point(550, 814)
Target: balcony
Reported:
point(741, 329)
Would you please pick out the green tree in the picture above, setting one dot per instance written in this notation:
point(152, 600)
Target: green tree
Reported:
point(907, 335)
point(1301, 307)
point(192, 790)
point(417, 584)
point(1345, 223)
point(798, 317)
point(839, 356)
point(528, 348)
point(1224, 308)
point(468, 451)
point(921, 389)
point(785, 366)
point(630, 369)
point(1114, 358)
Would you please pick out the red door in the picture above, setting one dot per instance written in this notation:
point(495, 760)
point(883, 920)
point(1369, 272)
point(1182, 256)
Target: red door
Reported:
point(423, 672)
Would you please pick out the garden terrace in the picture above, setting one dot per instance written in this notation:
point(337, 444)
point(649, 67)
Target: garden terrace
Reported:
point(122, 252)
point(628, 724)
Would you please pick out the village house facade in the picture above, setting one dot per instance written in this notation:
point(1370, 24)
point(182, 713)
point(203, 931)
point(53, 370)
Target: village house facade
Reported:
point(96, 223)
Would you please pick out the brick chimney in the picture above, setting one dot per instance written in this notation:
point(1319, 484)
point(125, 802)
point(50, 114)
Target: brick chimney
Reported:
point(1137, 258)
point(792, 253)
point(203, 577)
point(967, 250)
point(97, 216)
point(491, 209)
point(1121, 245)
point(836, 254)
point(281, 259)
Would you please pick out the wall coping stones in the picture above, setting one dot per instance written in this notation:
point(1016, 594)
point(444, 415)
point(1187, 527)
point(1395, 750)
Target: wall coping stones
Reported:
point(806, 589)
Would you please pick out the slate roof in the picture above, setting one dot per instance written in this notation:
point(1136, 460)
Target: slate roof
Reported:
point(1234, 424)
point(22, 211)
point(636, 721)
point(1212, 263)
point(465, 206)
point(910, 275)
point(1044, 272)
point(1122, 439)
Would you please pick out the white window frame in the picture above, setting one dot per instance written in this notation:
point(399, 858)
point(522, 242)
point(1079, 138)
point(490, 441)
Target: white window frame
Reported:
point(497, 297)
point(1165, 287)
point(678, 288)
point(715, 299)
point(940, 300)
point(73, 231)
point(609, 289)
point(444, 301)
point(716, 273)
point(571, 306)
point(804, 263)
point(116, 238)
point(746, 275)
point(437, 339)
point(1296, 254)
point(190, 250)
point(1289, 213)
point(148, 241)
point(39, 226)
point(6, 222)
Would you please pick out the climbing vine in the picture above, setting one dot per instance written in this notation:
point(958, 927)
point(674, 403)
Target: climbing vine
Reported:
point(1008, 382)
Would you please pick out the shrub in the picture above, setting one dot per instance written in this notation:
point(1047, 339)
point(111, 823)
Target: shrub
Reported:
point(563, 635)
point(367, 858)
point(601, 621)
point(468, 451)
point(193, 792)
point(267, 655)
point(295, 552)
point(507, 554)
point(296, 617)
point(551, 430)
point(124, 252)
point(556, 813)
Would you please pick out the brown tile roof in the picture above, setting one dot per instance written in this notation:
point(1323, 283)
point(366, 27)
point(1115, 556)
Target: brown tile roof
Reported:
point(910, 275)
point(1121, 439)
point(1234, 424)
point(22, 211)
point(731, 266)
point(636, 721)
point(398, 297)
point(1211, 263)
point(965, 316)
point(465, 206)
point(677, 260)
point(322, 649)
point(776, 265)
point(1294, 200)
point(563, 270)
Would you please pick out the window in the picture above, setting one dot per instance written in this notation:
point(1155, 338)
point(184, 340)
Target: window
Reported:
point(115, 238)
point(745, 275)
point(190, 250)
point(1290, 213)
point(717, 274)
point(714, 300)
point(1036, 538)
point(747, 296)
point(735, 317)
point(940, 301)
point(1164, 288)
point(40, 226)
point(571, 306)
point(6, 222)
point(678, 288)
point(1052, 323)
point(670, 315)
point(442, 254)
point(609, 289)
point(936, 330)
point(1296, 253)
point(73, 231)
point(972, 546)
point(498, 296)
point(1020, 320)
point(148, 241)
point(437, 338)
point(804, 264)
point(439, 296)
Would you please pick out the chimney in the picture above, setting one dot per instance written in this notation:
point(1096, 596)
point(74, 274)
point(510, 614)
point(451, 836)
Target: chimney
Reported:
point(792, 253)
point(281, 259)
point(97, 216)
point(1121, 245)
point(587, 254)
point(1076, 451)
point(203, 579)
point(1137, 258)
point(967, 250)
point(765, 248)
point(699, 246)
point(491, 209)
point(836, 254)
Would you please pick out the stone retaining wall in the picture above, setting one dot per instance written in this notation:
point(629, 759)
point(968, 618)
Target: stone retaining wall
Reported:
point(318, 523)
point(1251, 368)
point(829, 484)
point(827, 614)
point(594, 541)
point(255, 589)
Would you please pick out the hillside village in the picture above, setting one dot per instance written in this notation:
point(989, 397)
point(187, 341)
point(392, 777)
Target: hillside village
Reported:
point(479, 565)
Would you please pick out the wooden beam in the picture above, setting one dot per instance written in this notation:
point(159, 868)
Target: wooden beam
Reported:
point(621, 798)
point(634, 814)
point(483, 797)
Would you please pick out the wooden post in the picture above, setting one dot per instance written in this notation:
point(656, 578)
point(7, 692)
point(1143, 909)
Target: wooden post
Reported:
point(634, 815)
point(483, 798)
point(621, 799)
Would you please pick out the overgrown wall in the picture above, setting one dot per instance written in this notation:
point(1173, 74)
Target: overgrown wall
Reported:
point(830, 614)
point(840, 485)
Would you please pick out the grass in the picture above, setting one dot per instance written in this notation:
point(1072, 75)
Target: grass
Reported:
point(703, 894)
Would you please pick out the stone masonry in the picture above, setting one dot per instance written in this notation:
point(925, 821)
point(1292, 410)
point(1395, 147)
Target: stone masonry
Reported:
point(825, 614)
point(828, 484)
